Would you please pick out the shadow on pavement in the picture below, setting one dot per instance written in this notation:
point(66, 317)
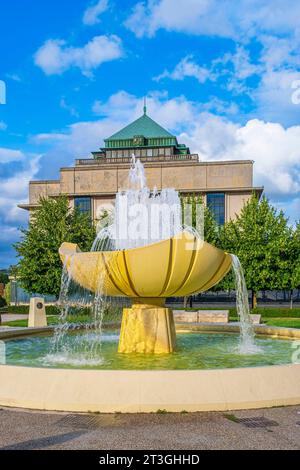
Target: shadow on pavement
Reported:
point(44, 441)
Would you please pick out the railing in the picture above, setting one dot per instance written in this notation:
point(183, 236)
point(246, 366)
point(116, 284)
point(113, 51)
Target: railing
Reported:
point(159, 158)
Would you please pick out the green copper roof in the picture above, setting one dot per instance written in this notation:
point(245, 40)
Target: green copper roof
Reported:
point(143, 126)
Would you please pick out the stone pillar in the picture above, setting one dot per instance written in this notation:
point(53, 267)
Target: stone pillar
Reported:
point(37, 313)
point(147, 328)
point(2, 352)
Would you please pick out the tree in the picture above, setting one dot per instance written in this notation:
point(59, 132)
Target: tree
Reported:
point(210, 227)
point(53, 223)
point(7, 293)
point(293, 269)
point(260, 237)
point(4, 279)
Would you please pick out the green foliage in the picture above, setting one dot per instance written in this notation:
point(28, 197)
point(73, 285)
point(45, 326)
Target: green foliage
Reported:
point(24, 309)
point(294, 258)
point(4, 278)
point(261, 238)
point(211, 228)
point(7, 293)
point(51, 224)
point(18, 309)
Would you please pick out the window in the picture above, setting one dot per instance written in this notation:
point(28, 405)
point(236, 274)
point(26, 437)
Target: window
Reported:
point(216, 203)
point(83, 205)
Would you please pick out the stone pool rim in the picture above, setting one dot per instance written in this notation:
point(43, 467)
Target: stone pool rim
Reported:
point(137, 391)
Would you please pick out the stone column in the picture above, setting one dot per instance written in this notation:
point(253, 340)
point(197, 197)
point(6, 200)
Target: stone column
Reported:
point(37, 313)
point(147, 328)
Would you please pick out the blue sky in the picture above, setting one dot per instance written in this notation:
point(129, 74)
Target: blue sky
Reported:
point(223, 75)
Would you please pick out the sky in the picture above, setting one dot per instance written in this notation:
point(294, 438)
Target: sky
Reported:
point(223, 75)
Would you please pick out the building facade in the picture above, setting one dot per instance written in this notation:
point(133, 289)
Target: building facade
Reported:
point(92, 183)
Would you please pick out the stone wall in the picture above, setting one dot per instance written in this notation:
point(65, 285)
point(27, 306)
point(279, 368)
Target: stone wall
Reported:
point(102, 181)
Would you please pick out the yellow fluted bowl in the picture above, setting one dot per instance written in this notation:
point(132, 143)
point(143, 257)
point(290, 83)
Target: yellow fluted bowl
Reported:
point(176, 267)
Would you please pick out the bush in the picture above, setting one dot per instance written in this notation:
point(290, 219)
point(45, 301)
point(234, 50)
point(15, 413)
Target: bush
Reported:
point(24, 309)
point(19, 309)
point(7, 293)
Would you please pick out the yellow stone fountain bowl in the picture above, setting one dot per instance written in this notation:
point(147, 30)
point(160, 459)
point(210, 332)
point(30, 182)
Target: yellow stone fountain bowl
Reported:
point(175, 267)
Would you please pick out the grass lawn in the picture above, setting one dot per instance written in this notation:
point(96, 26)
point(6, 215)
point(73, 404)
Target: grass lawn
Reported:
point(285, 322)
point(52, 320)
point(23, 323)
point(288, 322)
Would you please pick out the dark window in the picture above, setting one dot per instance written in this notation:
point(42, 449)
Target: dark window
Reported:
point(216, 203)
point(83, 205)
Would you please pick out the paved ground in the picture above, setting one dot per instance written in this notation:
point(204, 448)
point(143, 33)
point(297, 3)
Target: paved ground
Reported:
point(275, 428)
point(7, 317)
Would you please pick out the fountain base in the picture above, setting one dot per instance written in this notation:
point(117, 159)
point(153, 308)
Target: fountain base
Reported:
point(148, 328)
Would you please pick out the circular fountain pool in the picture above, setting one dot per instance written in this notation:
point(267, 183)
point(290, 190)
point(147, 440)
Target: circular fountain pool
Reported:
point(206, 373)
point(195, 350)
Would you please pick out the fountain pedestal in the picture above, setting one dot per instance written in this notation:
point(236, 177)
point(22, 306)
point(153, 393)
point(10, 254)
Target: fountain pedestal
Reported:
point(148, 327)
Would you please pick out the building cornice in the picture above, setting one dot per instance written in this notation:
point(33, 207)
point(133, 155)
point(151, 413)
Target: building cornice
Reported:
point(155, 164)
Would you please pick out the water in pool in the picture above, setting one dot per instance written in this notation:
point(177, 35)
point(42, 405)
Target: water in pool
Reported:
point(194, 351)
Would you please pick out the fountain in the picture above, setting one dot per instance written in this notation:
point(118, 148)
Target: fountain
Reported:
point(144, 256)
point(149, 256)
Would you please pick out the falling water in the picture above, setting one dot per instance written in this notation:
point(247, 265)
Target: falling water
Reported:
point(141, 216)
point(74, 300)
point(247, 337)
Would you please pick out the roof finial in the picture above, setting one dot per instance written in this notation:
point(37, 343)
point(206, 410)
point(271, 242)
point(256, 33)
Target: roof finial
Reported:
point(145, 105)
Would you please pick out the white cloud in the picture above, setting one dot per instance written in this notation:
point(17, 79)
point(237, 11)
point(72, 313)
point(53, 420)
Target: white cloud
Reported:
point(3, 126)
point(273, 97)
point(275, 150)
point(234, 69)
point(280, 51)
point(215, 17)
point(14, 190)
point(242, 65)
point(272, 26)
point(10, 155)
point(125, 107)
point(188, 16)
point(8, 233)
point(220, 107)
point(55, 56)
point(13, 76)
point(92, 13)
point(64, 105)
point(291, 208)
point(187, 67)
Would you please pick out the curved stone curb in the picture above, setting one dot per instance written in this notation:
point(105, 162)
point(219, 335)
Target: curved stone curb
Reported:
point(105, 391)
